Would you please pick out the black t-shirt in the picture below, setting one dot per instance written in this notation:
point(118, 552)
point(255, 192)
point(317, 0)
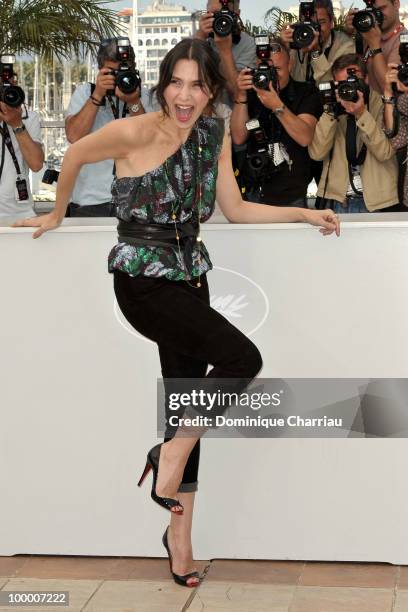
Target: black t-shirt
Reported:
point(287, 185)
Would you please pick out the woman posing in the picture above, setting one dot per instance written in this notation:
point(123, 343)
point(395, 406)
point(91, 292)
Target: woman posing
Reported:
point(171, 165)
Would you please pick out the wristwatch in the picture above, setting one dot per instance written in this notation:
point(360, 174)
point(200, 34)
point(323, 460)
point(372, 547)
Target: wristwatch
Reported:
point(315, 54)
point(279, 110)
point(135, 108)
point(390, 100)
point(18, 130)
point(372, 52)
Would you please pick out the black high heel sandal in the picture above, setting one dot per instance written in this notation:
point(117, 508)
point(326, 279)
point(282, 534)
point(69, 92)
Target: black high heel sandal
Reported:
point(181, 580)
point(152, 463)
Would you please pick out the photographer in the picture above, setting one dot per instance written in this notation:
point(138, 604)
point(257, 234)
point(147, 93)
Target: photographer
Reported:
point(21, 147)
point(236, 51)
point(359, 164)
point(381, 41)
point(396, 119)
point(314, 62)
point(92, 107)
point(288, 120)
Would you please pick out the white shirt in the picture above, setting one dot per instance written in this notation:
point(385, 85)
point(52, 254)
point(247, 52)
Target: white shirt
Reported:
point(93, 185)
point(10, 205)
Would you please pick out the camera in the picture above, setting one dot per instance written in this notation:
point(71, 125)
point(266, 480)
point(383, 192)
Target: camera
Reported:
point(51, 174)
point(10, 94)
point(304, 30)
point(227, 22)
point(327, 91)
point(258, 159)
point(264, 73)
point(403, 52)
point(127, 78)
point(367, 18)
point(348, 89)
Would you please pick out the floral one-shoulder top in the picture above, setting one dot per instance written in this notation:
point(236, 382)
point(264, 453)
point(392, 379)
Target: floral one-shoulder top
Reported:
point(172, 187)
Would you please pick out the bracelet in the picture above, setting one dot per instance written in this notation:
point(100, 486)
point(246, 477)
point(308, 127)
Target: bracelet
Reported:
point(241, 102)
point(278, 111)
point(96, 102)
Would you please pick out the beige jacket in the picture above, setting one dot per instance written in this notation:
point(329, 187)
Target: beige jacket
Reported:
point(322, 67)
point(379, 173)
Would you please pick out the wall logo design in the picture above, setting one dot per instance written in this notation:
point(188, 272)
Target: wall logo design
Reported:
point(237, 297)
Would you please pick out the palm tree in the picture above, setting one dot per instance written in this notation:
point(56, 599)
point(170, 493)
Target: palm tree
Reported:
point(275, 18)
point(54, 27)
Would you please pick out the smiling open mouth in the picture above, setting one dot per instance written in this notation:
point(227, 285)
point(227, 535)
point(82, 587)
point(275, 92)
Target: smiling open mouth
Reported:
point(184, 113)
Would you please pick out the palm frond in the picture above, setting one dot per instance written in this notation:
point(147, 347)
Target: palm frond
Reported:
point(60, 27)
point(275, 18)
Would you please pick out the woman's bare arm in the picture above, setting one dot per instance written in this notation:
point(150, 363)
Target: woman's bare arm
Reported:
point(238, 211)
point(113, 141)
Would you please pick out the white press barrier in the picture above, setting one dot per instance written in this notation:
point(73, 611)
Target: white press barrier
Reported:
point(78, 389)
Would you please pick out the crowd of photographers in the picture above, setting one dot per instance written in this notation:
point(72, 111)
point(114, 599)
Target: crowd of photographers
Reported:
point(313, 102)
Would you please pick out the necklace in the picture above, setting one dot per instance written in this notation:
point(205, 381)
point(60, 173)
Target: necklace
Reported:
point(174, 216)
point(393, 33)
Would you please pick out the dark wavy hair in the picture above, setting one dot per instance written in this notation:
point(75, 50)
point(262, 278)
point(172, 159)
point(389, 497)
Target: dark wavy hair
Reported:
point(349, 59)
point(208, 69)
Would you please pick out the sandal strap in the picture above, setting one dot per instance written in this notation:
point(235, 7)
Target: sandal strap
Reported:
point(190, 575)
point(171, 502)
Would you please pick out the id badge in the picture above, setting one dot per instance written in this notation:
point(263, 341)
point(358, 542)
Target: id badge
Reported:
point(22, 190)
point(357, 179)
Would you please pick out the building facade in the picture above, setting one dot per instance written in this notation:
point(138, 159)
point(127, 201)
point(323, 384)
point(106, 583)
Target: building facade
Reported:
point(155, 31)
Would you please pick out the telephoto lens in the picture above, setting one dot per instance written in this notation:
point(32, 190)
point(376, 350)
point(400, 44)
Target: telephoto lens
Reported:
point(263, 75)
point(304, 30)
point(127, 79)
point(348, 89)
point(224, 20)
point(367, 18)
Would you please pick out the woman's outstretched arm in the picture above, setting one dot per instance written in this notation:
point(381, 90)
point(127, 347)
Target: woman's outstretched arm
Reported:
point(238, 211)
point(113, 141)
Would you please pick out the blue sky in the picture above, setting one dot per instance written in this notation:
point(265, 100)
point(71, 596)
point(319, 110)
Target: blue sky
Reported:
point(250, 9)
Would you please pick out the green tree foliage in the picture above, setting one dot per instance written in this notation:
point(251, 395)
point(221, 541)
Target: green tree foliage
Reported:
point(275, 18)
point(54, 27)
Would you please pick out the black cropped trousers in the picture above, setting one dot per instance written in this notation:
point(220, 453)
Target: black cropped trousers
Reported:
point(190, 336)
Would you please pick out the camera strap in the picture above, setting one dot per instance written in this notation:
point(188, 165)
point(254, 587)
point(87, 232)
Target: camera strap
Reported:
point(353, 159)
point(309, 67)
point(326, 52)
point(115, 109)
point(3, 155)
point(4, 131)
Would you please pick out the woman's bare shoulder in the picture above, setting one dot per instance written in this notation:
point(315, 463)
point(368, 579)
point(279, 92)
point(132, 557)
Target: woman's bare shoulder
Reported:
point(141, 129)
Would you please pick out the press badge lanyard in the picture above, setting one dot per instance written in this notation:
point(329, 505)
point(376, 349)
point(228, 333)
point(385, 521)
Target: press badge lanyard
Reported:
point(4, 131)
point(21, 183)
point(115, 110)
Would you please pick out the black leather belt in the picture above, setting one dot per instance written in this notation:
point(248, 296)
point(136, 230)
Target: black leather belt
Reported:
point(155, 234)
